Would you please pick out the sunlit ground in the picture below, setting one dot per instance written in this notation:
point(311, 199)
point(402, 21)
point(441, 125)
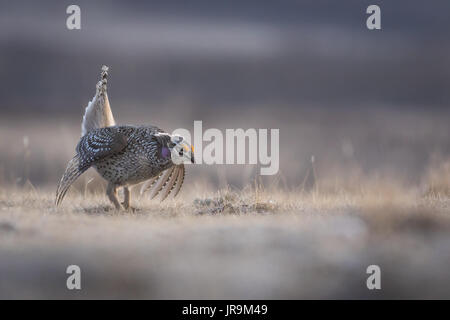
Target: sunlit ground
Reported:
point(378, 193)
point(251, 243)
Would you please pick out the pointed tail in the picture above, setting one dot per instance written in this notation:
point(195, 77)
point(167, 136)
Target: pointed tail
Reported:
point(73, 171)
point(98, 113)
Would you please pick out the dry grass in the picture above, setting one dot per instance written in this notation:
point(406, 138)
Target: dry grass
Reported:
point(378, 197)
point(251, 243)
point(437, 180)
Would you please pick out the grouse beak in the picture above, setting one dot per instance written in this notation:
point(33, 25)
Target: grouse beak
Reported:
point(188, 154)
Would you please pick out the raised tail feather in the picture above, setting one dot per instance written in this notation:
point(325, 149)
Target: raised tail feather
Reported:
point(73, 171)
point(98, 113)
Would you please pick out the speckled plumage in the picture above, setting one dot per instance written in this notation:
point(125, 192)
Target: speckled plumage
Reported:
point(125, 155)
point(122, 155)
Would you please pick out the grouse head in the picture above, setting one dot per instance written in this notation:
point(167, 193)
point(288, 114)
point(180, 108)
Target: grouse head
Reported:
point(177, 148)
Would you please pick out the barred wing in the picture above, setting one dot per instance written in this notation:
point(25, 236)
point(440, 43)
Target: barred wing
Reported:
point(100, 143)
point(167, 182)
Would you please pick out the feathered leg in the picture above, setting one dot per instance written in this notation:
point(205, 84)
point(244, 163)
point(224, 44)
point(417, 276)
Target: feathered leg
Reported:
point(73, 171)
point(126, 200)
point(111, 192)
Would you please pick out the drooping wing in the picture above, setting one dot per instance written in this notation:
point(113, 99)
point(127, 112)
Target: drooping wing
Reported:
point(180, 180)
point(98, 113)
point(169, 181)
point(149, 183)
point(95, 145)
point(100, 143)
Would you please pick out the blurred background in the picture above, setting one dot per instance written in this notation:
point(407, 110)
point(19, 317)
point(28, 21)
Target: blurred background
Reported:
point(364, 103)
point(372, 107)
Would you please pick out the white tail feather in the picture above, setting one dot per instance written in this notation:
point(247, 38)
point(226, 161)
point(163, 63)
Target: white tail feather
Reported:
point(98, 113)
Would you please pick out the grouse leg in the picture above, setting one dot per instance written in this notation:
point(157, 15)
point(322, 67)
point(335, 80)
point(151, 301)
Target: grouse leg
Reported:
point(111, 191)
point(126, 200)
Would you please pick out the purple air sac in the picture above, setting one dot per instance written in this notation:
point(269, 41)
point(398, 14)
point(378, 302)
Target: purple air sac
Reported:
point(165, 152)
